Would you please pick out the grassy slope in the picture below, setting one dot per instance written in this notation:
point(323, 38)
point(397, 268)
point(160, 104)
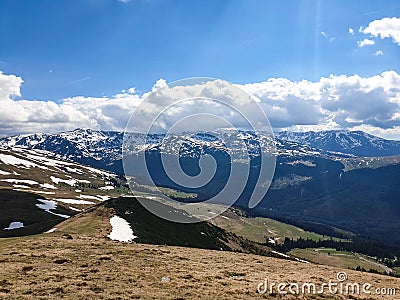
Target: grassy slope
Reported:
point(51, 266)
point(151, 229)
point(332, 257)
point(256, 229)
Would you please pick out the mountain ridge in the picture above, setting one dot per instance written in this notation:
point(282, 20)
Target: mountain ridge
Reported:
point(357, 143)
point(84, 141)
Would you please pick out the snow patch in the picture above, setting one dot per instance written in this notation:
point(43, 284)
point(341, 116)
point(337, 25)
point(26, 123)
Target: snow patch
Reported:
point(74, 209)
point(48, 206)
point(88, 197)
point(30, 182)
point(104, 198)
point(21, 186)
point(73, 170)
point(14, 225)
point(57, 180)
point(4, 173)
point(121, 230)
point(74, 201)
point(84, 181)
point(15, 161)
point(106, 188)
point(48, 186)
point(281, 254)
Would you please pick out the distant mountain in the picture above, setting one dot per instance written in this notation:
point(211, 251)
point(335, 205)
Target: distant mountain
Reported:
point(319, 177)
point(103, 149)
point(95, 148)
point(351, 142)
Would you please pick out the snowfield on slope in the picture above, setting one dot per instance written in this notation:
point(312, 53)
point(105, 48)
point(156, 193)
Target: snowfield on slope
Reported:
point(121, 230)
point(48, 206)
point(4, 173)
point(74, 201)
point(15, 161)
point(14, 225)
point(57, 180)
point(24, 181)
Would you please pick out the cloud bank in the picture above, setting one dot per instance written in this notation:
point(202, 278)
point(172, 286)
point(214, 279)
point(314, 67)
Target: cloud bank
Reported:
point(384, 28)
point(353, 102)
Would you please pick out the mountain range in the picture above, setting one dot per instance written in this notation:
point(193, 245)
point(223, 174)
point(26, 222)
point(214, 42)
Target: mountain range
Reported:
point(107, 144)
point(333, 182)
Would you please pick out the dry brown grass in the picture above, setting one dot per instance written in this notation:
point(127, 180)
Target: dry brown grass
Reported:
point(55, 266)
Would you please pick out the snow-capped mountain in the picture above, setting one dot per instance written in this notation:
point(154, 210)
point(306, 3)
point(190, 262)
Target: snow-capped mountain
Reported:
point(103, 149)
point(83, 144)
point(357, 143)
point(95, 148)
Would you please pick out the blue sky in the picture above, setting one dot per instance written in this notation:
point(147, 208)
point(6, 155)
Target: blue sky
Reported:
point(100, 47)
point(313, 65)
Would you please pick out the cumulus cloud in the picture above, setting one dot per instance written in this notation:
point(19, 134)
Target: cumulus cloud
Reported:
point(9, 86)
point(384, 28)
point(23, 116)
point(347, 102)
point(333, 102)
point(365, 42)
point(379, 52)
point(351, 31)
point(197, 105)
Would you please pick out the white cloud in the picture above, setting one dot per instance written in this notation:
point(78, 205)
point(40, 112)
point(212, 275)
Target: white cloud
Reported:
point(350, 102)
point(365, 42)
point(351, 31)
point(23, 116)
point(124, 1)
point(9, 86)
point(384, 28)
point(379, 52)
point(332, 102)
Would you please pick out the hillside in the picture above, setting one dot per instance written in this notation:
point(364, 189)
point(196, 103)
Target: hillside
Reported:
point(312, 187)
point(150, 229)
point(57, 178)
point(78, 266)
point(39, 189)
point(25, 213)
point(78, 259)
